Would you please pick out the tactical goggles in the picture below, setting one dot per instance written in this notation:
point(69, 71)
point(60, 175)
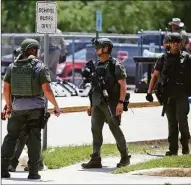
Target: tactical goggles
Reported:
point(98, 46)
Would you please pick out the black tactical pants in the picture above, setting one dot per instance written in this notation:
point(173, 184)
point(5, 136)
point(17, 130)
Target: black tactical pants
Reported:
point(100, 115)
point(18, 150)
point(18, 121)
point(177, 111)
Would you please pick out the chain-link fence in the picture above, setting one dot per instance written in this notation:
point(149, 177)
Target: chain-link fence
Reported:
point(78, 50)
point(67, 60)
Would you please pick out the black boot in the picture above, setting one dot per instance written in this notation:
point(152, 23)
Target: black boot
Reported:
point(33, 170)
point(4, 168)
point(5, 174)
point(170, 153)
point(34, 176)
point(125, 160)
point(95, 162)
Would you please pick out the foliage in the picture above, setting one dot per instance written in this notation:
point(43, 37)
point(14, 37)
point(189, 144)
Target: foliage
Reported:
point(79, 16)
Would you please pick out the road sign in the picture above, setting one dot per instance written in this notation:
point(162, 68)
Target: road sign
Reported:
point(46, 17)
point(98, 20)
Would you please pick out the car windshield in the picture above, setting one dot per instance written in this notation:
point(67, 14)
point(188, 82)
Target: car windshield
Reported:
point(78, 55)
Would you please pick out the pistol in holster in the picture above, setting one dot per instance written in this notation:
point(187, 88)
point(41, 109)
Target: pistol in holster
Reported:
point(45, 120)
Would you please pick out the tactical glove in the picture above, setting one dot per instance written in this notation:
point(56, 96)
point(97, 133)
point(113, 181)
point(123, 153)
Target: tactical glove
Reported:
point(149, 97)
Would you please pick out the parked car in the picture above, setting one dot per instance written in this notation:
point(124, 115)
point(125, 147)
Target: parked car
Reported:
point(123, 52)
point(5, 61)
point(64, 70)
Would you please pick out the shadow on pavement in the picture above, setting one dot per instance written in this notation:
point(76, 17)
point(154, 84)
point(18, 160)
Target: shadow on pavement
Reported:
point(27, 180)
point(104, 169)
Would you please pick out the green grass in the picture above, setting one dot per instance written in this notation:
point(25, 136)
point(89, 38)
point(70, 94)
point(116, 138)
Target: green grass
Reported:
point(170, 162)
point(65, 156)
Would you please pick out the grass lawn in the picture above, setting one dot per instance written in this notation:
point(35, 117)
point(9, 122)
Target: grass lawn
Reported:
point(166, 162)
point(63, 156)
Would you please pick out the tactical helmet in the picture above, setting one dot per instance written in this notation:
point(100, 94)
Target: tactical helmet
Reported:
point(29, 43)
point(102, 42)
point(174, 36)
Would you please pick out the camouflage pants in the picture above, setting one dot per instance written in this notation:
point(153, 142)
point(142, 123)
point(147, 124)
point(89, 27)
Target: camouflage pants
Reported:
point(19, 120)
point(100, 115)
point(177, 114)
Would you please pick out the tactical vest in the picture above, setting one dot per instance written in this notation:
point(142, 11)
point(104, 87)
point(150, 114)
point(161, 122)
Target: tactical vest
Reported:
point(107, 70)
point(176, 73)
point(24, 79)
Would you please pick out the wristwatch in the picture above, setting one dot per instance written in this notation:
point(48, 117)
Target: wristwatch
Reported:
point(121, 101)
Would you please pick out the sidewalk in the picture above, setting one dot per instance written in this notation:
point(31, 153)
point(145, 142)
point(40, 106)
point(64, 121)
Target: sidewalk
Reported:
point(76, 175)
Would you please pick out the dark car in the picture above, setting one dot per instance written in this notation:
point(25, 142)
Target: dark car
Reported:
point(5, 61)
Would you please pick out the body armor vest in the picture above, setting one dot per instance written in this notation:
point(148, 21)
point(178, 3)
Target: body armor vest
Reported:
point(175, 73)
point(24, 79)
point(107, 71)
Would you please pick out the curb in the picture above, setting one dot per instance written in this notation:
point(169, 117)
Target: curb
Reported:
point(84, 108)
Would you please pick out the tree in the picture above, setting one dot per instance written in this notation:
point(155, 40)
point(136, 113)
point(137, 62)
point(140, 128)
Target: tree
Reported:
point(80, 16)
point(18, 17)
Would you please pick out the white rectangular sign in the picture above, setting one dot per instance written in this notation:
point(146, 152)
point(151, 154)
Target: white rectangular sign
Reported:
point(46, 17)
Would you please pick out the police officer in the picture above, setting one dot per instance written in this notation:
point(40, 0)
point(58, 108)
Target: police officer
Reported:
point(177, 26)
point(114, 75)
point(173, 70)
point(21, 141)
point(27, 80)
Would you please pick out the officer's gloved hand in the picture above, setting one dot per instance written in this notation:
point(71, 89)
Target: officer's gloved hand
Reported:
point(149, 97)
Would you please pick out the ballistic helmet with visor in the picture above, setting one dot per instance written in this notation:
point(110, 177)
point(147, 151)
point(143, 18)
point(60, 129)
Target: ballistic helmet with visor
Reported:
point(174, 37)
point(102, 42)
point(29, 43)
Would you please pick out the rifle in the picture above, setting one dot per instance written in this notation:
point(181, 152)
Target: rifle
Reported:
point(91, 73)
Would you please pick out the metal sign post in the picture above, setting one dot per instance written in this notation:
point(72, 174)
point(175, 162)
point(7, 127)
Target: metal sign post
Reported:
point(46, 22)
point(98, 23)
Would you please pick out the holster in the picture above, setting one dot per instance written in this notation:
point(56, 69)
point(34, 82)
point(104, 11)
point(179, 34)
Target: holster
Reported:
point(44, 120)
